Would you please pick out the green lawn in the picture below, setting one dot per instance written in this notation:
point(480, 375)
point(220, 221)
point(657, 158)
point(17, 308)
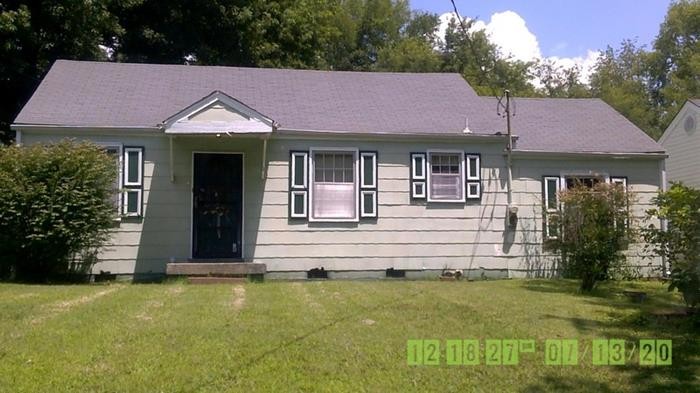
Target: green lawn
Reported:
point(325, 336)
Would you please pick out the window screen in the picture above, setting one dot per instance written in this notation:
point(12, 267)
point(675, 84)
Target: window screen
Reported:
point(334, 192)
point(446, 177)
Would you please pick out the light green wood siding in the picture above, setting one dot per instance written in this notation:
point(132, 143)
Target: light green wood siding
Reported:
point(407, 235)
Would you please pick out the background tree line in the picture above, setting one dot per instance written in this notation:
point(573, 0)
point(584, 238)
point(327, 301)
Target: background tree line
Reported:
point(646, 85)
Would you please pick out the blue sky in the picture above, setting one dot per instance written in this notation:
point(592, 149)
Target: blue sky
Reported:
point(566, 28)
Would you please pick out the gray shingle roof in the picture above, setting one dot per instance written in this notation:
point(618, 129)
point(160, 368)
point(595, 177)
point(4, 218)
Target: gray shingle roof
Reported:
point(143, 95)
point(102, 94)
point(575, 125)
point(695, 101)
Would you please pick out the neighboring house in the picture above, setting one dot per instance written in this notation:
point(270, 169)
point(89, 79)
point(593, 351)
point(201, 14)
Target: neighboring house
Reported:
point(357, 173)
point(682, 143)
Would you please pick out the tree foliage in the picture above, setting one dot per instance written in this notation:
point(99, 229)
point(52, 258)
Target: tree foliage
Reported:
point(650, 86)
point(593, 227)
point(680, 242)
point(56, 209)
point(622, 78)
point(35, 33)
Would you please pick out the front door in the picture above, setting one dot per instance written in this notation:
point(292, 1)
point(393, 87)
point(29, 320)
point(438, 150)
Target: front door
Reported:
point(217, 202)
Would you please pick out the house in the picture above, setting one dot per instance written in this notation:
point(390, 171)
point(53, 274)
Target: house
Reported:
point(682, 142)
point(240, 170)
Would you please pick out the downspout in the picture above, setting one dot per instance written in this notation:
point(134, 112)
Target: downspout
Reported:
point(172, 168)
point(664, 222)
point(264, 158)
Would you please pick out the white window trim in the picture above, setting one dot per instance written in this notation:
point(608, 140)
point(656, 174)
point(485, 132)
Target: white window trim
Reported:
point(619, 180)
point(563, 175)
point(374, 203)
point(125, 202)
point(292, 213)
point(478, 167)
point(478, 190)
point(429, 174)
point(547, 209)
point(305, 174)
point(139, 182)
point(415, 194)
point(424, 158)
point(312, 176)
point(373, 158)
point(545, 179)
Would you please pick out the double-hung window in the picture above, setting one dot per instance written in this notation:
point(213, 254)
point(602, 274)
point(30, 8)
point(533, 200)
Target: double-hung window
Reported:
point(334, 185)
point(445, 176)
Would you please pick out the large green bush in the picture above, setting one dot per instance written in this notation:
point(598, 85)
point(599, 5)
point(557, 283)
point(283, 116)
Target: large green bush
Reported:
point(680, 242)
point(593, 227)
point(55, 209)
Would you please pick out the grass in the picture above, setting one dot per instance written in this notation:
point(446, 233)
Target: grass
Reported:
point(325, 336)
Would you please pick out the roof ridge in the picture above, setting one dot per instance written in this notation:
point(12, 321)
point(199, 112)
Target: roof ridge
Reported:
point(301, 70)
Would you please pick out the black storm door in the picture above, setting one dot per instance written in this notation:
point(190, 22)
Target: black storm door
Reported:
point(217, 202)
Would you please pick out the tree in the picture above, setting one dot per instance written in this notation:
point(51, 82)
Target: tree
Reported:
point(680, 242)
point(56, 209)
point(558, 81)
point(676, 59)
point(470, 53)
point(35, 33)
point(621, 78)
point(593, 227)
point(285, 33)
point(417, 48)
point(408, 55)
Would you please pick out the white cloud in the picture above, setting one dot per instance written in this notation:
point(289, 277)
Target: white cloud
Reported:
point(510, 33)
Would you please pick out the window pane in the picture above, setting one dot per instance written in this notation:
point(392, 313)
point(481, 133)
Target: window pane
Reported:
point(552, 193)
point(473, 189)
point(419, 189)
point(368, 170)
point(132, 202)
point(446, 187)
point(368, 200)
point(299, 170)
point(133, 165)
point(298, 204)
point(336, 200)
point(418, 164)
point(473, 172)
point(348, 176)
point(334, 167)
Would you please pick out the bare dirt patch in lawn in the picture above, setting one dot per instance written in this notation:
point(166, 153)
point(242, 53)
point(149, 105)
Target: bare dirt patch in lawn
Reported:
point(150, 306)
point(67, 305)
point(238, 297)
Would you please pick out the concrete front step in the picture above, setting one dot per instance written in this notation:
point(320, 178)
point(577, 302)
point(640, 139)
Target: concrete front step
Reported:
point(223, 269)
point(216, 280)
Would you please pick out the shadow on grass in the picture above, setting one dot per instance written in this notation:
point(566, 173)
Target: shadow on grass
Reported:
point(570, 385)
point(631, 322)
